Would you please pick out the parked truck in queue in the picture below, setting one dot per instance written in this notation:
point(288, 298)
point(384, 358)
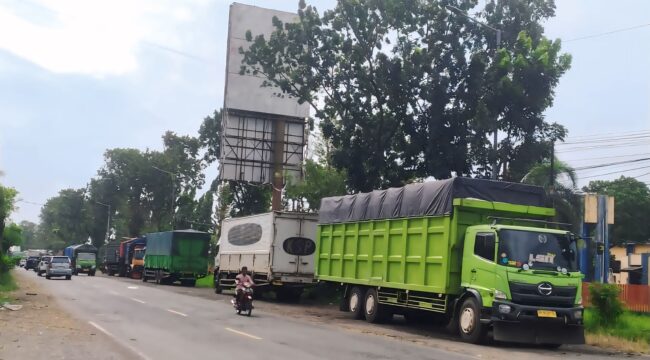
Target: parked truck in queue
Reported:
point(132, 257)
point(276, 247)
point(479, 253)
point(83, 258)
point(112, 258)
point(179, 255)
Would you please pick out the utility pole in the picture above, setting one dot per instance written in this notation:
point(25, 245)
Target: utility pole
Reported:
point(108, 221)
point(552, 180)
point(173, 202)
point(495, 139)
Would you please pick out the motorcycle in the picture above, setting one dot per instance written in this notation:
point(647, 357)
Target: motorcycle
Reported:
point(244, 302)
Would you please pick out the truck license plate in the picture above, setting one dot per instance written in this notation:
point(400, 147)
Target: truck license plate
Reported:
point(546, 313)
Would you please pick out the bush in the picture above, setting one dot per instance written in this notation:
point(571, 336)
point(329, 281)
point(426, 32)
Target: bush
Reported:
point(6, 263)
point(606, 302)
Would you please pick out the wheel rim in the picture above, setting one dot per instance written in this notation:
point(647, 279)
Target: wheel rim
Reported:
point(354, 302)
point(370, 304)
point(467, 320)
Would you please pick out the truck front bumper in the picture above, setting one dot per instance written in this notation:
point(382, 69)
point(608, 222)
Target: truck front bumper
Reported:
point(524, 324)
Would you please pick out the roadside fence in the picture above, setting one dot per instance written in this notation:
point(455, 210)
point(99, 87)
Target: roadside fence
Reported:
point(635, 297)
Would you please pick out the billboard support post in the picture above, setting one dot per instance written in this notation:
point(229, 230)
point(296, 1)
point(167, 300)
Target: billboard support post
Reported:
point(278, 162)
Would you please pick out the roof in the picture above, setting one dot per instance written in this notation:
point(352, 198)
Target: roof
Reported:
point(425, 199)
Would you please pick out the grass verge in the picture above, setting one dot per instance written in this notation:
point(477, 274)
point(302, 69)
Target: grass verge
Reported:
point(7, 284)
point(630, 334)
point(206, 282)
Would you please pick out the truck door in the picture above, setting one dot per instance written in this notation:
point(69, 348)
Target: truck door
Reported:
point(294, 245)
point(482, 263)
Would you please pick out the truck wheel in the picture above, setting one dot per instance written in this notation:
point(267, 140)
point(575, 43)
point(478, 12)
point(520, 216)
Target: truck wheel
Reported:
point(355, 303)
point(373, 310)
point(143, 277)
point(47, 277)
point(469, 322)
point(39, 273)
point(68, 277)
point(91, 273)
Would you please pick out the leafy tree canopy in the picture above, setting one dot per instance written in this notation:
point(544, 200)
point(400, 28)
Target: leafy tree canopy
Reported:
point(631, 210)
point(411, 89)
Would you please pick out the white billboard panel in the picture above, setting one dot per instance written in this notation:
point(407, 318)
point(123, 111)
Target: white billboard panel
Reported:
point(244, 92)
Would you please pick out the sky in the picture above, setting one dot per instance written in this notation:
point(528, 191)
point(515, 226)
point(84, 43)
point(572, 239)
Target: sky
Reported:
point(78, 77)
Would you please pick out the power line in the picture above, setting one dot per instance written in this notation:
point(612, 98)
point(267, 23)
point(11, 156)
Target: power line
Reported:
point(605, 157)
point(624, 133)
point(607, 139)
point(614, 172)
point(611, 164)
point(607, 33)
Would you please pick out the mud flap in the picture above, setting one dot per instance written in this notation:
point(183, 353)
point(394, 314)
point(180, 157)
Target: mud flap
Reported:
point(538, 333)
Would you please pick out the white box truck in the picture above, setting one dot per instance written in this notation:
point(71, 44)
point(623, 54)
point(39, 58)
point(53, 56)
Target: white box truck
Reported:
point(276, 247)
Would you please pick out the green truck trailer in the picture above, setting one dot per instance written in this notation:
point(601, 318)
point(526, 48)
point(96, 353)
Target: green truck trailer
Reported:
point(179, 255)
point(477, 253)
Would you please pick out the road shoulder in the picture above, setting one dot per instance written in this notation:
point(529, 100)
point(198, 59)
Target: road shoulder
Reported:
point(42, 329)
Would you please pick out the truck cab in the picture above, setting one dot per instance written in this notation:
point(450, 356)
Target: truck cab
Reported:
point(515, 276)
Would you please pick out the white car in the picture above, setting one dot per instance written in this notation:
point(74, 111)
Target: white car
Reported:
point(22, 262)
point(42, 265)
point(59, 266)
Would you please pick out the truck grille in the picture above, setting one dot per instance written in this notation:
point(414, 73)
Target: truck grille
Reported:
point(529, 294)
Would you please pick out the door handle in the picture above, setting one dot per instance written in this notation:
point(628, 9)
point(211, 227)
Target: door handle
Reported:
point(473, 270)
point(305, 263)
point(292, 262)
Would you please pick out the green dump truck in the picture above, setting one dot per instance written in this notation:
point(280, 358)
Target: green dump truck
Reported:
point(179, 255)
point(478, 253)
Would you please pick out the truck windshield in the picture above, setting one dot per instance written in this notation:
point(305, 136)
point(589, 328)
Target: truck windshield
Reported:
point(138, 255)
point(540, 250)
point(86, 256)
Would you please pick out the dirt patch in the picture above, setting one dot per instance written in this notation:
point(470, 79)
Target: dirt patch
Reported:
point(612, 342)
point(41, 329)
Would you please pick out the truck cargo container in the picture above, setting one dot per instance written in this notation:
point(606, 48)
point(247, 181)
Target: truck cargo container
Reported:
point(112, 258)
point(479, 253)
point(179, 255)
point(276, 247)
point(83, 258)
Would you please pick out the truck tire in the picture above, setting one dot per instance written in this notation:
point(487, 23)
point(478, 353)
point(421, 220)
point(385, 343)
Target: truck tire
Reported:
point(373, 310)
point(68, 277)
point(47, 277)
point(144, 277)
point(469, 322)
point(355, 302)
point(92, 273)
point(158, 277)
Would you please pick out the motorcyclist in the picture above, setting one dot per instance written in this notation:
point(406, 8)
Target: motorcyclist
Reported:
point(240, 280)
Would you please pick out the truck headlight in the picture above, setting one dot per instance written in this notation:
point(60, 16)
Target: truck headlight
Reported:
point(578, 314)
point(500, 295)
point(505, 309)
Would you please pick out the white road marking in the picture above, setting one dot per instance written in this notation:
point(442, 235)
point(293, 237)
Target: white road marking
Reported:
point(138, 300)
point(176, 312)
point(243, 334)
point(136, 351)
point(132, 287)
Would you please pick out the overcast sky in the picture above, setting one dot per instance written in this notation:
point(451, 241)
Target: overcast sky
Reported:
point(79, 76)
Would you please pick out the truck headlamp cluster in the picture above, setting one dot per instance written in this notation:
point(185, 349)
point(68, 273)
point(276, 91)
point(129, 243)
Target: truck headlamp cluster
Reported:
point(505, 309)
point(500, 295)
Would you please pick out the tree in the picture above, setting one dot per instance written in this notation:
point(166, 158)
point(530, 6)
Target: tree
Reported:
point(632, 201)
point(12, 236)
point(64, 219)
point(562, 192)
point(7, 205)
point(411, 89)
point(319, 182)
point(29, 229)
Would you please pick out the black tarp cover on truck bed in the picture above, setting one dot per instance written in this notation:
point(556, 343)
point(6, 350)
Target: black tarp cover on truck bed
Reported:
point(424, 199)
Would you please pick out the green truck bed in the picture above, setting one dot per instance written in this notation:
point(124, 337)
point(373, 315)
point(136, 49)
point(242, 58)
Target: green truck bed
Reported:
point(417, 253)
point(180, 251)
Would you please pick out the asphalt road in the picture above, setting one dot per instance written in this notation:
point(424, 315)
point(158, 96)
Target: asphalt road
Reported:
point(170, 322)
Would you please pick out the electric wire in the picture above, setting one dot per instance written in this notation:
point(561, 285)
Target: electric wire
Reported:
point(607, 33)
